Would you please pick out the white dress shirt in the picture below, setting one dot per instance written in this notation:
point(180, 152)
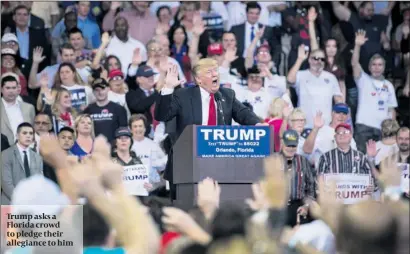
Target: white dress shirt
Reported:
point(205, 97)
point(248, 30)
point(14, 115)
point(124, 51)
point(237, 14)
point(21, 151)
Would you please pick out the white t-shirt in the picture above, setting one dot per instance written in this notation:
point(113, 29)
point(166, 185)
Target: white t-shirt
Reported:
point(120, 100)
point(316, 94)
point(276, 86)
point(375, 99)
point(124, 51)
point(384, 151)
point(259, 100)
point(152, 156)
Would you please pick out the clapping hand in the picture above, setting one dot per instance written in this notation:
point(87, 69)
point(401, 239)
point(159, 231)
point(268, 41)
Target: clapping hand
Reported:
point(360, 37)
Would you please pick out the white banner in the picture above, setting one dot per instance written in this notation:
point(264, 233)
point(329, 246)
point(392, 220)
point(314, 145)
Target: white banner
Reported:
point(351, 188)
point(405, 178)
point(134, 177)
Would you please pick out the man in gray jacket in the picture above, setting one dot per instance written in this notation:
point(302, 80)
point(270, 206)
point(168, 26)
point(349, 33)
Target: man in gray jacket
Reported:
point(19, 162)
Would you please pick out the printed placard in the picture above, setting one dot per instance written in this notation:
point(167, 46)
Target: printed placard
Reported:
point(134, 177)
point(405, 178)
point(78, 98)
point(233, 141)
point(351, 188)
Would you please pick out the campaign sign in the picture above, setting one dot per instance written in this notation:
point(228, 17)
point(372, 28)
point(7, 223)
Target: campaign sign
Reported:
point(405, 178)
point(78, 98)
point(134, 177)
point(233, 141)
point(350, 188)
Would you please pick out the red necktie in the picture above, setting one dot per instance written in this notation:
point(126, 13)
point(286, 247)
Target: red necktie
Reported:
point(212, 111)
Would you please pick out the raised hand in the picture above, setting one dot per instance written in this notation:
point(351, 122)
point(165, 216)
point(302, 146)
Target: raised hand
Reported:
point(260, 32)
point(115, 5)
point(390, 174)
point(44, 81)
point(259, 200)
point(163, 64)
point(208, 196)
point(199, 25)
point(318, 121)
point(230, 54)
point(302, 53)
point(38, 55)
point(105, 38)
point(312, 14)
point(276, 187)
point(171, 78)
point(360, 37)
point(136, 57)
point(371, 150)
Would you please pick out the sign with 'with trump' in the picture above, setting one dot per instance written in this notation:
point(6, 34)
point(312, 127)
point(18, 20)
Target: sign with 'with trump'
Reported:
point(350, 188)
point(134, 177)
point(233, 141)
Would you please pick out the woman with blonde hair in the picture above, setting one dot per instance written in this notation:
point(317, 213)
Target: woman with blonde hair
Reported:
point(295, 120)
point(388, 144)
point(59, 108)
point(275, 119)
point(84, 128)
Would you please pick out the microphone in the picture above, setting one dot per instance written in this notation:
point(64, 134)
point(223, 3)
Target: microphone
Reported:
point(218, 99)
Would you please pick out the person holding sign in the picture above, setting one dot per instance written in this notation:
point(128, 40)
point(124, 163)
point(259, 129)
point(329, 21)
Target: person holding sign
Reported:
point(349, 168)
point(301, 175)
point(135, 176)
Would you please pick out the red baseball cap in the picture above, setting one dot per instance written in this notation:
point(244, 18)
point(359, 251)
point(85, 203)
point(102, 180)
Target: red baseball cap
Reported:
point(344, 125)
point(115, 73)
point(263, 46)
point(215, 49)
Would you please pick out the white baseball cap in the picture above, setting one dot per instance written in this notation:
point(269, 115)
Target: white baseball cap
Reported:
point(9, 37)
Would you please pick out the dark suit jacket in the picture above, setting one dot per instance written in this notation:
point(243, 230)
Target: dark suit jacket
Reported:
point(272, 39)
point(186, 106)
point(36, 22)
point(139, 103)
point(37, 38)
point(4, 142)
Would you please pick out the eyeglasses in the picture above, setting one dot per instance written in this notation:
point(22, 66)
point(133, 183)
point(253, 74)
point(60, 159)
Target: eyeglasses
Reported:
point(41, 123)
point(255, 77)
point(155, 49)
point(316, 58)
point(343, 132)
point(263, 53)
point(297, 120)
point(117, 78)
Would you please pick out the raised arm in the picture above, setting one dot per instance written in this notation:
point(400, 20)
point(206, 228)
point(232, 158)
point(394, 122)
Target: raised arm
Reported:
point(359, 41)
point(302, 56)
point(37, 59)
point(198, 29)
point(105, 40)
point(309, 144)
point(342, 12)
point(250, 51)
point(312, 15)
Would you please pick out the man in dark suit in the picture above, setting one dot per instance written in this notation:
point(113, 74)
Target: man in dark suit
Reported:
point(142, 100)
point(19, 162)
point(28, 39)
point(204, 104)
point(246, 32)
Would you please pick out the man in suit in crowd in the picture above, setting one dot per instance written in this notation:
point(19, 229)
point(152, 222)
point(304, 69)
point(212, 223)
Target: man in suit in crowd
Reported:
point(19, 162)
point(204, 104)
point(246, 32)
point(13, 111)
point(142, 100)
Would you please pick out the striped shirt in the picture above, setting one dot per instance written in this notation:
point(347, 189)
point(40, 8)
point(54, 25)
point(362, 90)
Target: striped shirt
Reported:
point(302, 175)
point(337, 161)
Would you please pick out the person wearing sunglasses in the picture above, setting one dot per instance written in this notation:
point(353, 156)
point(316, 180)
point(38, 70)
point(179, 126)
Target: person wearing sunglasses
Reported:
point(316, 88)
point(301, 176)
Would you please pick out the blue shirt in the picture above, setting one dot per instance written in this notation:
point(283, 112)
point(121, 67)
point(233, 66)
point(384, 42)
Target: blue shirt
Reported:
point(90, 29)
point(51, 72)
point(24, 42)
point(95, 7)
point(78, 151)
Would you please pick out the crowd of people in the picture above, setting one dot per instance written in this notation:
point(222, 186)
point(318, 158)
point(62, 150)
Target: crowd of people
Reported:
point(92, 87)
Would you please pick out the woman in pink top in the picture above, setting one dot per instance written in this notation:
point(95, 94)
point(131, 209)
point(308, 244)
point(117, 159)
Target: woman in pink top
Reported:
point(276, 118)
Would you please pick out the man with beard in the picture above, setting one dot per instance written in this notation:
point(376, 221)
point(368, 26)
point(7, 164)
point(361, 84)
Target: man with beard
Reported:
point(121, 45)
point(315, 87)
point(403, 142)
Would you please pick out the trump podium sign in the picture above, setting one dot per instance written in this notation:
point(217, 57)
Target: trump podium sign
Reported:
point(233, 141)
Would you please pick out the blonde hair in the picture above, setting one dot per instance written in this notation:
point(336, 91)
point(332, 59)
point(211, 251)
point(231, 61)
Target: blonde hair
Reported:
point(276, 107)
point(389, 128)
point(296, 112)
point(78, 120)
point(57, 97)
point(40, 103)
point(202, 64)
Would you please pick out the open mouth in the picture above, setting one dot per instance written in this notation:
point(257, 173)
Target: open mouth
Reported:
point(215, 81)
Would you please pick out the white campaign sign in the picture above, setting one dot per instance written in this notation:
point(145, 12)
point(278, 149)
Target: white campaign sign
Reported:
point(405, 178)
point(351, 188)
point(134, 178)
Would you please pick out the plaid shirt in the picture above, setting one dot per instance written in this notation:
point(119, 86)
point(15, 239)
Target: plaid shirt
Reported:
point(302, 178)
